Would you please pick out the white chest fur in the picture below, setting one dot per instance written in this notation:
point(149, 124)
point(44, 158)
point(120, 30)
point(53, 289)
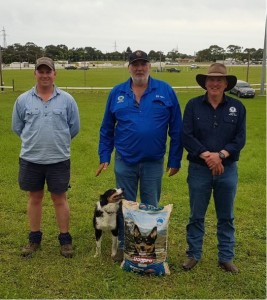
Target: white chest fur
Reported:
point(108, 218)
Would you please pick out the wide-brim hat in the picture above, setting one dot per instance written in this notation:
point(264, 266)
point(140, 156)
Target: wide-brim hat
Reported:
point(45, 61)
point(217, 70)
point(138, 55)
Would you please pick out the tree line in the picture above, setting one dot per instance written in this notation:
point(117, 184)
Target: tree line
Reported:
point(30, 52)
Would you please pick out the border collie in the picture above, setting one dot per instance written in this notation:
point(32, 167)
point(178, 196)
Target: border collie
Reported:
point(105, 218)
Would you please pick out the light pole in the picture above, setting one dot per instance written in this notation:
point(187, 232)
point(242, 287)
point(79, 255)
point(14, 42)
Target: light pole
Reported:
point(248, 63)
point(263, 69)
point(84, 67)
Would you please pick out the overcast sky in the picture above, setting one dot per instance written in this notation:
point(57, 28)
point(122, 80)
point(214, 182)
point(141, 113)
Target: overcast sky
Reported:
point(161, 25)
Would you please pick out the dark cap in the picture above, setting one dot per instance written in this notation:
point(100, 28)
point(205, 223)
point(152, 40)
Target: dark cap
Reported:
point(138, 55)
point(45, 61)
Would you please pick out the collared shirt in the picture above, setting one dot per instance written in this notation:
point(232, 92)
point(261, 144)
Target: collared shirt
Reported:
point(139, 131)
point(45, 128)
point(209, 129)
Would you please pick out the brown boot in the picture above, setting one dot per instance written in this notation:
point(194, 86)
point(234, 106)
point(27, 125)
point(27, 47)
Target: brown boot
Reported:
point(118, 256)
point(29, 249)
point(189, 264)
point(66, 250)
point(228, 267)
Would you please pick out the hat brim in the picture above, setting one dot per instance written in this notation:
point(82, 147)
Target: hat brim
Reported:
point(44, 64)
point(130, 62)
point(231, 80)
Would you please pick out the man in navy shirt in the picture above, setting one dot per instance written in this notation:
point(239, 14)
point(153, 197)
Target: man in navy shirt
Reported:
point(139, 115)
point(214, 132)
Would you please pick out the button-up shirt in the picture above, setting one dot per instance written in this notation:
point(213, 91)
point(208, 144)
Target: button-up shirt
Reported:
point(209, 129)
point(45, 127)
point(139, 130)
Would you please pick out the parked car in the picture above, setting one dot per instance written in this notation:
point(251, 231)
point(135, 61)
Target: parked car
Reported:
point(174, 70)
point(243, 90)
point(194, 66)
point(70, 68)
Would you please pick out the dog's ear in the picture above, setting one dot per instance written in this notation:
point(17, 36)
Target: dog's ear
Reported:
point(107, 194)
point(103, 199)
point(153, 233)
point(136, 231)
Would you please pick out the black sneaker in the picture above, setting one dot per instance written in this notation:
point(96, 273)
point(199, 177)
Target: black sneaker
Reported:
point(29, 249)
point(66, 250)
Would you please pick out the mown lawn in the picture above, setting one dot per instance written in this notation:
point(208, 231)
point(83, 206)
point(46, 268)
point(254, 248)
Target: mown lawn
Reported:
point(48, 275)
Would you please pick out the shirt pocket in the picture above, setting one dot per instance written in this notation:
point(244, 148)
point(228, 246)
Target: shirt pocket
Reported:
point(229, 125)
point(122, 111)
point(59, 119)
point(161, 108)
point(32, 119)
point(230, 119)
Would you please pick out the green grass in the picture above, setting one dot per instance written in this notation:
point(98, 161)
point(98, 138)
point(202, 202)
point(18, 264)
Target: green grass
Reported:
point(104, 77)
point(48, 275)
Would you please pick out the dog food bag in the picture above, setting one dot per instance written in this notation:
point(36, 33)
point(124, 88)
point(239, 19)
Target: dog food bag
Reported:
point(146, 237)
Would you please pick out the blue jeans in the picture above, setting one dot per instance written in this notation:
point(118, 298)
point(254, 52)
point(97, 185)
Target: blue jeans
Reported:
point(148, 175)
point(201, 185)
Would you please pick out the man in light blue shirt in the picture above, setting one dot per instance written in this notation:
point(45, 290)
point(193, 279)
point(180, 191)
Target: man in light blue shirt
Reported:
point(46, 119)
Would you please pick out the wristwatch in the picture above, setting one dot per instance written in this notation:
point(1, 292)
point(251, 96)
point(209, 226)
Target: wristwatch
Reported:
point(221, 155)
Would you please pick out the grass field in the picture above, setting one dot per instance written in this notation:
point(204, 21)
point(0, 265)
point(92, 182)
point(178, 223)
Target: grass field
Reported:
point(48, 275)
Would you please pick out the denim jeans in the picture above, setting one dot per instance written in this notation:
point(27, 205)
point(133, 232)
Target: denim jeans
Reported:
point(202, 184)
point(148, 175)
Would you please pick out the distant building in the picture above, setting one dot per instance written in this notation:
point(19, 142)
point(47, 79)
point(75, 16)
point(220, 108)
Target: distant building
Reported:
point(19, 65)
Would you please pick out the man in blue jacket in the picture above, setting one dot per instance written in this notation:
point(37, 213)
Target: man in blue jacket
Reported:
point(214, 132)
point(46, 119)
point(139, 115)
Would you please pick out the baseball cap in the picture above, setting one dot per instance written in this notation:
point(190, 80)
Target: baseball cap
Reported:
point(138, 55)
point(45, 61)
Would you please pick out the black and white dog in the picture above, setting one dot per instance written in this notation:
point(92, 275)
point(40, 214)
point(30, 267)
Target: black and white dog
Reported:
point(105, 217)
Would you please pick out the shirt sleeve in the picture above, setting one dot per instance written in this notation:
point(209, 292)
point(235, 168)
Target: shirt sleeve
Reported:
point(17, 118)
point(175, 133)
point(106, 139)
point(190, 142)
point(74, 119)
point(238, 142)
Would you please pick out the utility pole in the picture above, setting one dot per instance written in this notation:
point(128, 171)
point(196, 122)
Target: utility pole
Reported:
point(1, 73)
point(1, 61)
point(4, 37)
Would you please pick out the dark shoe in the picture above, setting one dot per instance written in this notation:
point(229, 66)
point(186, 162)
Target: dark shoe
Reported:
point(29, 249)
point(189, 264)
point(228, 267)
point(66, 250)
point(118, 256)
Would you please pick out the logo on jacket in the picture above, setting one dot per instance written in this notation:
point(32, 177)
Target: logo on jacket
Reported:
point(120, 99)
point(232, 111)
